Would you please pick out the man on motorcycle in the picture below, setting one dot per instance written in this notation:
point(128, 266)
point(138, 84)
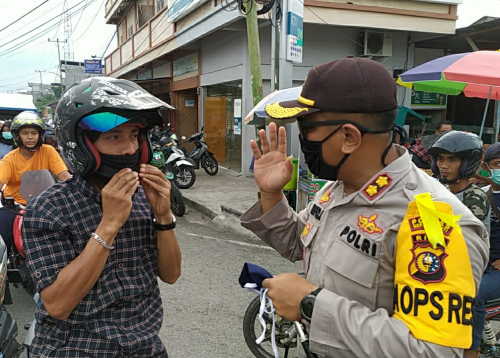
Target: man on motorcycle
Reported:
point(455, 158)
point(490, 287)
point(28, 131)
point(96, 244)
point(377, 285)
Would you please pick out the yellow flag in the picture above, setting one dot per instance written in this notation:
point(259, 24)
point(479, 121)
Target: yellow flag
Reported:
point(431, 219)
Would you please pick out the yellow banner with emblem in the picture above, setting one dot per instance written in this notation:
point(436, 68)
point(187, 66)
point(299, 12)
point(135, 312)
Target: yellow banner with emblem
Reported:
point(434, 284)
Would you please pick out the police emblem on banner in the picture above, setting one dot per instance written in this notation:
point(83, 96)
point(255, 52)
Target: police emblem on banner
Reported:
point(427, 264)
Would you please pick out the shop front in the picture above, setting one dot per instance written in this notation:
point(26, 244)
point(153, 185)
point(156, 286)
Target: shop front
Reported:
point(223, 122)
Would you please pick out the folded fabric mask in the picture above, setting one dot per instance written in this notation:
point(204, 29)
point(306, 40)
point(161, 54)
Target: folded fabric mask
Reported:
point(251, 278)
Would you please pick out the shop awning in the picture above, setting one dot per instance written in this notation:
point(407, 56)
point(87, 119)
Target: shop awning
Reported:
point(16, 102)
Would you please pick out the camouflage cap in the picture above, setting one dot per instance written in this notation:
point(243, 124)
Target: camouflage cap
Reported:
point(492, 152)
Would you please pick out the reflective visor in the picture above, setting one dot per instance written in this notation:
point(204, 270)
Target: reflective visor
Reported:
point(102, 122)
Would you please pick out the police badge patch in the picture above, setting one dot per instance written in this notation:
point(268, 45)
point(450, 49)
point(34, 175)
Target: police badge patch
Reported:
point(427, 264)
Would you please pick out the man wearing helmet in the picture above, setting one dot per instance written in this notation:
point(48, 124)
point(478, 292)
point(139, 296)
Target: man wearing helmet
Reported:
point(455, 158)
point(97, 243)
point(28, 131)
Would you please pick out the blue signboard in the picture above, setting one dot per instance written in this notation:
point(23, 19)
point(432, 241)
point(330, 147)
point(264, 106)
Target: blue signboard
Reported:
point(93, 66)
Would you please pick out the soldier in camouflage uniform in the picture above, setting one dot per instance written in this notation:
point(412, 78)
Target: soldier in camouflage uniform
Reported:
point(455, 158)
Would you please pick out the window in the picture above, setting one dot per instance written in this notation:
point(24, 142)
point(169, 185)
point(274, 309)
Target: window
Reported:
point(160, 4)
point(130, 30)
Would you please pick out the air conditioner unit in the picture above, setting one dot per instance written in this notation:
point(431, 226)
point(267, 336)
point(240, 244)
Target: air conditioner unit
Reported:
point(375, 43)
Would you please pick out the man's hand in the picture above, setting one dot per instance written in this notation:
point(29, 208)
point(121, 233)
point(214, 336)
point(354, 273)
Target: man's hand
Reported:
point(496, 265)
point(117, 198)
point(272, 168)
point(157, 188)
point(286, 291)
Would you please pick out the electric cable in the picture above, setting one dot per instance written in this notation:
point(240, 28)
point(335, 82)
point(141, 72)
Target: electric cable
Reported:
point(88, 27)
point(29, 12)
point(29, 32)
point(81, 14)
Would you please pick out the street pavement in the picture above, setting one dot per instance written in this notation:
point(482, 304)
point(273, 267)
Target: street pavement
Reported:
point(204, 309)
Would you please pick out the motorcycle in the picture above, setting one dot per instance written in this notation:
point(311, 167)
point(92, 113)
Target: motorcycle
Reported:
point(184, 175)
point(201, 154)
point(9, 347)
point(32, 183)
point(176, 199)
point(489, 341)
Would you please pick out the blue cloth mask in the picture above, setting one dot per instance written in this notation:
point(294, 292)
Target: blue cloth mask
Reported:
point(7, 135)
point(251, 277)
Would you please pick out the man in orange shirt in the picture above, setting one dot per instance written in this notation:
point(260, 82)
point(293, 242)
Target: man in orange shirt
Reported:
point(27, 131)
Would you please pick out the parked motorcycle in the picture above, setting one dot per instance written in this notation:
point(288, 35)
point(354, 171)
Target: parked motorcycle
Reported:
point(201, 154)
point(176, 199)
point(184, 175)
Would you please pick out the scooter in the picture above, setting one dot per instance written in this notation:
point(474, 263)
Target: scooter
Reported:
point(184, 175)
point(201, 154)
point(176, 199)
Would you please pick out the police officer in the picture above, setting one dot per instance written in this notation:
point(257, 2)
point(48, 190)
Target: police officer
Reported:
point(376, 284)
point(455, 158)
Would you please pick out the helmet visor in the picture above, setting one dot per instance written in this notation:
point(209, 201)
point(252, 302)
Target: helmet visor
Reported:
point(102, 122)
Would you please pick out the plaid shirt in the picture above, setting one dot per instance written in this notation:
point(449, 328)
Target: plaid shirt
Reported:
point(419, 150)
point(122, 314)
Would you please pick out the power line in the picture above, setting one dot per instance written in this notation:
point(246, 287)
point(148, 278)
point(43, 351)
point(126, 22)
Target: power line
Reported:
point(29, 12)
point(73, 30)
point(34, 38)
point(29, 32)
point(88, 27)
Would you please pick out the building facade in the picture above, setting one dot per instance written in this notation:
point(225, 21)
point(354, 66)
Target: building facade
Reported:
point(194, 55)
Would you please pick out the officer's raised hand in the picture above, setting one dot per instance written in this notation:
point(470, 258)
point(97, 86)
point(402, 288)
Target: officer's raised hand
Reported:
point(272, 168)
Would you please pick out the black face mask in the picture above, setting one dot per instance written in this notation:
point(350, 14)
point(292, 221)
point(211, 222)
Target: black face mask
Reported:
point(112, 164)
point(312, 151)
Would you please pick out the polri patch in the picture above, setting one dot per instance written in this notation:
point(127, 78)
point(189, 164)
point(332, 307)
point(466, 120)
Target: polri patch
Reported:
point(306, 230)
point(377, 186)
point(325, 198)
point(368, 224)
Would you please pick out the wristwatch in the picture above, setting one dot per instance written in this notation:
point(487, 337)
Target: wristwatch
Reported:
point(160, 227)
point(307, 305)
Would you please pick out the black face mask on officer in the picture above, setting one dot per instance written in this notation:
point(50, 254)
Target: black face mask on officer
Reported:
point(312, 150)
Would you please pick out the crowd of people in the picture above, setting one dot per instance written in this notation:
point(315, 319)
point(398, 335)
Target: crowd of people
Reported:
point(97, 241)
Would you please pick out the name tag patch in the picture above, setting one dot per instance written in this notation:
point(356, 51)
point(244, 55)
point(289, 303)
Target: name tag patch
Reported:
point(354, 238)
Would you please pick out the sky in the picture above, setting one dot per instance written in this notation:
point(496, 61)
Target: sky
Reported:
point(90, 36)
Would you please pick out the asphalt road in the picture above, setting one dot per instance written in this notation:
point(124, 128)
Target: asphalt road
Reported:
point(204, 309)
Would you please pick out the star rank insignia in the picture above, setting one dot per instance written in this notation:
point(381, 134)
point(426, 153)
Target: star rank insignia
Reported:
point(377, 186)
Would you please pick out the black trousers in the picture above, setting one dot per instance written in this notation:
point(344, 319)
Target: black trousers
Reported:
point(6, 227)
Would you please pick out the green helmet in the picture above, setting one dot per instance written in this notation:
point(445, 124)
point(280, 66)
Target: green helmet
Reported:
point(31, 120)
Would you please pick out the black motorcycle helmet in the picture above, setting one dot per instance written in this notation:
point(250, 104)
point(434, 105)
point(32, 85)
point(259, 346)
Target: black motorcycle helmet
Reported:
point(466, 145)
point(97, 98)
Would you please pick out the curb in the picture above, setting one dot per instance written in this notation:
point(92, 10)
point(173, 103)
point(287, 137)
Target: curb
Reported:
point(201, 208)
point(228, 210)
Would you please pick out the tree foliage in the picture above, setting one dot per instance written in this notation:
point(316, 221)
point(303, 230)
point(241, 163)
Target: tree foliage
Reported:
point(45, 100)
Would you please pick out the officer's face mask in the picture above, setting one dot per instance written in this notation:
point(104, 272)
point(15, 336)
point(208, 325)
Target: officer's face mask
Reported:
point(112, 164)
point(7, 135)
point(495, 175)
point(312, 150)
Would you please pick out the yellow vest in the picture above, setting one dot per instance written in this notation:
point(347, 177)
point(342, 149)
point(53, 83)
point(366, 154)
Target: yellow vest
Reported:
point(434, 287)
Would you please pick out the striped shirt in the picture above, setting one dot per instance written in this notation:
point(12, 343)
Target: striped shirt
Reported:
point(122, 314)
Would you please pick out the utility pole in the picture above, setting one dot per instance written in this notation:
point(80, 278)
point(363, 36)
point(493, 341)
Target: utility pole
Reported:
point(60, 65)
point(255, 62)
point(41, 81)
